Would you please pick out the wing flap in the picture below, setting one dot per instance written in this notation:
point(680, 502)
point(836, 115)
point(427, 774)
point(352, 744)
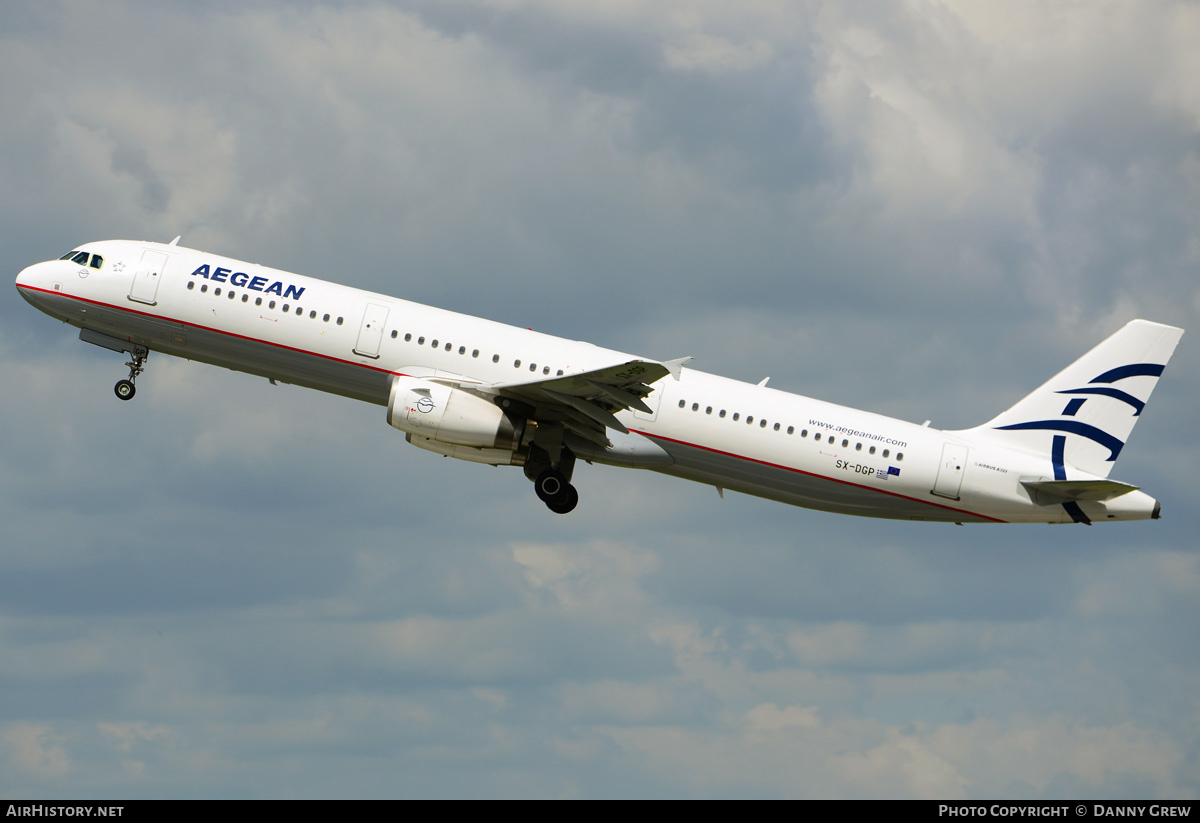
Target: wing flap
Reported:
point(591, 410)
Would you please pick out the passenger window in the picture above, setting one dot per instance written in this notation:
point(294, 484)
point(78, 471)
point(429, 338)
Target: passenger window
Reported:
point(271, 305)
point(682, 403)
point(749, 419)
point(191, 285)
point(735, 416)
point(420, 341)
point(695, 407)
point(533, 366)
point(845, 443)
point(448, 347)
point(776, 427)
point(560, 372)
point(433, 344)
point(339, 321)
point(203, 288)
point(407, 337)
point(474, 352)
point(286, 308)
point(232, 294)
point(257, 300)
point(546, 370)
point(245, 297)
point(516, 364)
point(899, 456)
point(721, 413)
point(217, 291)
point(708, 410)
point(858, 447)
point(495, 358)
point(791, 429)
point(462, 349)
point(299, 311)
point(312, 315)
point(871, 450)
point(885, 452)
point(831, 438)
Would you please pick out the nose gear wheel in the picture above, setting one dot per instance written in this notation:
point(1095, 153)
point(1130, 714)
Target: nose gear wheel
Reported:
point(125, 389)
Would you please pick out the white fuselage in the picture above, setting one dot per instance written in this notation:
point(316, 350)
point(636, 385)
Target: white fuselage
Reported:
point(716, 431)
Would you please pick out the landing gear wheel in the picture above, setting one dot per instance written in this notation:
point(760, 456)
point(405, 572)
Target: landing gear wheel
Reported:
point(551, 487)
point(124, 388)
point(566, 505)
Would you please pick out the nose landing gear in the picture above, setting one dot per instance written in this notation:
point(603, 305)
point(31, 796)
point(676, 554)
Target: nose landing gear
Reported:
point(125, 389)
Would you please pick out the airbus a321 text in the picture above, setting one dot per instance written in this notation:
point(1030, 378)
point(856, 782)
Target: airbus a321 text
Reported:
point(490, 393)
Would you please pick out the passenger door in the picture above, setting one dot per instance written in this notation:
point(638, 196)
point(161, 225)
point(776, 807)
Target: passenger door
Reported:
point(144, 288)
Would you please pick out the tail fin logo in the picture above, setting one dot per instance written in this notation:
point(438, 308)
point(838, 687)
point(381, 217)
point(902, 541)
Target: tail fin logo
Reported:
point(1113, 444)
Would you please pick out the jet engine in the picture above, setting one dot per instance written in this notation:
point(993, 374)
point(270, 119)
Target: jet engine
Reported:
point(446, 415)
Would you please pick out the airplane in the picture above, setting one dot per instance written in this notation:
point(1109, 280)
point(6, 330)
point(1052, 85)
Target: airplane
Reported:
point(490, 393)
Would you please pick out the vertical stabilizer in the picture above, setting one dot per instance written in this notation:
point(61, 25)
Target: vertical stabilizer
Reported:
point(1083, 415)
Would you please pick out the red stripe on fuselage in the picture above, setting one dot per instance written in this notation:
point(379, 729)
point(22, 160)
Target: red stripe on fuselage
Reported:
point(208, 328)
point(813, 474)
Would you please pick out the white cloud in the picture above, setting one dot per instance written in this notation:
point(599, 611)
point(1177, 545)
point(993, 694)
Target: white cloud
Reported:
point(33, 750)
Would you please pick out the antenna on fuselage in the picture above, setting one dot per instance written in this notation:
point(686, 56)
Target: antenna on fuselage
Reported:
point(175, 242)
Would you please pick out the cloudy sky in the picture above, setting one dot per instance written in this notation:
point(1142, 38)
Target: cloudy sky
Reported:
point(229, 589)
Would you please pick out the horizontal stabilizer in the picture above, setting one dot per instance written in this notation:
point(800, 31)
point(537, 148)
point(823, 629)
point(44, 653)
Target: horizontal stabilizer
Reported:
point(1049, 492)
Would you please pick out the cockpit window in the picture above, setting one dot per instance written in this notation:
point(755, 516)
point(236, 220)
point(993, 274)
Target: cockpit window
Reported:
point(81, 257)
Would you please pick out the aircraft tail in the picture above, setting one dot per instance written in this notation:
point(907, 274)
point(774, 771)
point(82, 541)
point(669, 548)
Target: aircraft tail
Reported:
point(1083, 416)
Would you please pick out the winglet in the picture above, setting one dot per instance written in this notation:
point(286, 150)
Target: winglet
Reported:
point(675, 367)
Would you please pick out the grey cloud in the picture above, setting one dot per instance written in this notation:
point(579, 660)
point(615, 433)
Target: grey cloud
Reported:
point(231, 589)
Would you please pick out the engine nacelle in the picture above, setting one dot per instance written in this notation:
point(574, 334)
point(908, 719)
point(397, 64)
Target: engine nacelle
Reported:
point(448, 415)
point(492, 457)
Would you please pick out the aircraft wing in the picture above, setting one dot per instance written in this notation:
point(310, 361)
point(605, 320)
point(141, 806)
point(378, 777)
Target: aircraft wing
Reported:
point(586, 402)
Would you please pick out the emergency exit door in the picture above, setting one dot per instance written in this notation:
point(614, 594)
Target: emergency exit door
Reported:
point(950, 471)
point(371, 332)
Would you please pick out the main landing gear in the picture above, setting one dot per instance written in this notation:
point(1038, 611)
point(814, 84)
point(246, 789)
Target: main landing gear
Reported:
point(553, 489)
point(550, 466)
point(125, 388)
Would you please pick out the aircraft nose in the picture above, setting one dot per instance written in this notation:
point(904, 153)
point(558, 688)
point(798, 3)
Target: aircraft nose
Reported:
point(29, 281)
point(23, 278)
